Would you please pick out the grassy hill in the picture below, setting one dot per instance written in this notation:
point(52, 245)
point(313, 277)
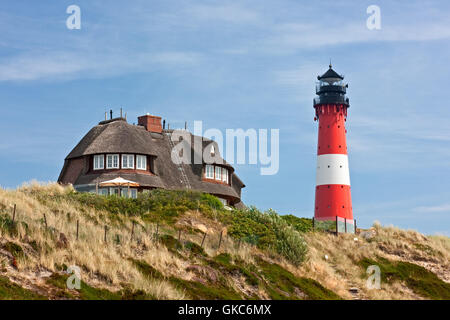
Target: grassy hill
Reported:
point(186, 245)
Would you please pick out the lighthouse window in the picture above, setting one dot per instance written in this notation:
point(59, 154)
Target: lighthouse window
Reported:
point(99, 160)
point(112, 161)
point(127, 161)
point(141, 162)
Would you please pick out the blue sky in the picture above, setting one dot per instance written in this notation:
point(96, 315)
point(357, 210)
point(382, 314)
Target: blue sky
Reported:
point(241, 64)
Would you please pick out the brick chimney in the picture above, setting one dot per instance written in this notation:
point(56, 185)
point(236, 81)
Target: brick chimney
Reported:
point(151, 123)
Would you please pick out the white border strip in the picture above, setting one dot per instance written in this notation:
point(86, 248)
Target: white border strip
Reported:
point(332, 169)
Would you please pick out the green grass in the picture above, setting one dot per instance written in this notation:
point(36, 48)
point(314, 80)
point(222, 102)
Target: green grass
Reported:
point(223, 262)
point(147, 270)
point(155, 206)
point(194, 289)
point(299, 224)
point(279, 278)
point(11, 291)
point(86, 292)
point(199, 291)
point(423, 282)
point(14, 249)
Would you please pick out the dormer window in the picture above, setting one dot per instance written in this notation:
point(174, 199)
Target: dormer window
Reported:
point(99, 162)
point(112, 161)
point(141, 162)
point(127, 161)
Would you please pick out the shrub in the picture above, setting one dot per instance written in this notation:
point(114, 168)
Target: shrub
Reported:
point(267, 231)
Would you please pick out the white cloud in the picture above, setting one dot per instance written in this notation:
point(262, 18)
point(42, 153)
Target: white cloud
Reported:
point(433, 209)
point(61, 64)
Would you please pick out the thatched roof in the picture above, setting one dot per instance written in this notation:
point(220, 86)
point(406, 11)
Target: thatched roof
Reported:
point(116, 136)
point(120, 137)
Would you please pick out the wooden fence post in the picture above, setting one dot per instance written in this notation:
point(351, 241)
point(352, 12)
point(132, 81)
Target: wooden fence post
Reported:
point(132, 231)
point(354, 224)
point(157, 230)
point(106, 229)
point(239, 243)
point(14, 214)
point(337, 230)
point(220, 239)
point(179, 235)
point(313, 222)
point(78, 227)
point(203, 240)
point(345, 226)
point(45, 220)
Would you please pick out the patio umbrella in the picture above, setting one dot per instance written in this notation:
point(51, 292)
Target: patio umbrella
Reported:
point(118, 182)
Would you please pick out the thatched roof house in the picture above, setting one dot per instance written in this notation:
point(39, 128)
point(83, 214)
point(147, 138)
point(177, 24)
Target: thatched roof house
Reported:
point(142, 154)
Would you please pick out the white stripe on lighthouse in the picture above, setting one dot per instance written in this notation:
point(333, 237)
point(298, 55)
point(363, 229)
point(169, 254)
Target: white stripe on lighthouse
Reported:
point(332, 169)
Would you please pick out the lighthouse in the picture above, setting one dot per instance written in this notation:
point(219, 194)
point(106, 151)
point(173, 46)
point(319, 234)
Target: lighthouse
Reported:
point(333, 197)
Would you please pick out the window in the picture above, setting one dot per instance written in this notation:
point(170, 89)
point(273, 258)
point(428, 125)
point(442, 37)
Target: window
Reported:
point(224, 175)
point(209, 171)
point(218, 173)
point(99, 160)
point(112, 161)
point(127, 161)
point(224, 201)
point(141, 162)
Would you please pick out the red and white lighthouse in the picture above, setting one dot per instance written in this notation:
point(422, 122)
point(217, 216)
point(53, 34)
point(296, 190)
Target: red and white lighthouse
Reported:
point(333, 198)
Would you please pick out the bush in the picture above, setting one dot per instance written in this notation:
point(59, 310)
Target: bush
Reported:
point(267, 231)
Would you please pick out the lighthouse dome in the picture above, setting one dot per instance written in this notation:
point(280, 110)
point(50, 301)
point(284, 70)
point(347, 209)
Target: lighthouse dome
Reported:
point(330, 76)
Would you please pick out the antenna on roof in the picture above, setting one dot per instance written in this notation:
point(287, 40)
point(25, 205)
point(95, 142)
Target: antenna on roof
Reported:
point(185, 125)
point(121, 112)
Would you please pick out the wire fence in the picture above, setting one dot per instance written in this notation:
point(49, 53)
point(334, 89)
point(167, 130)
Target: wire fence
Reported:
point(156, 232)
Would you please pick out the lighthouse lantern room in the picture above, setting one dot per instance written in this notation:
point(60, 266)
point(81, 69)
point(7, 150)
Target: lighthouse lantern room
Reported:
point(333, 197)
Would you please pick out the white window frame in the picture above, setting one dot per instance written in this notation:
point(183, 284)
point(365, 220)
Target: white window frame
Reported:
point(218, 173)
point(225, 175)
point(209, 171)
point(99, 162)
point(126, 161)
point(113, 164)
point(224, 201)
point(141, 162)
